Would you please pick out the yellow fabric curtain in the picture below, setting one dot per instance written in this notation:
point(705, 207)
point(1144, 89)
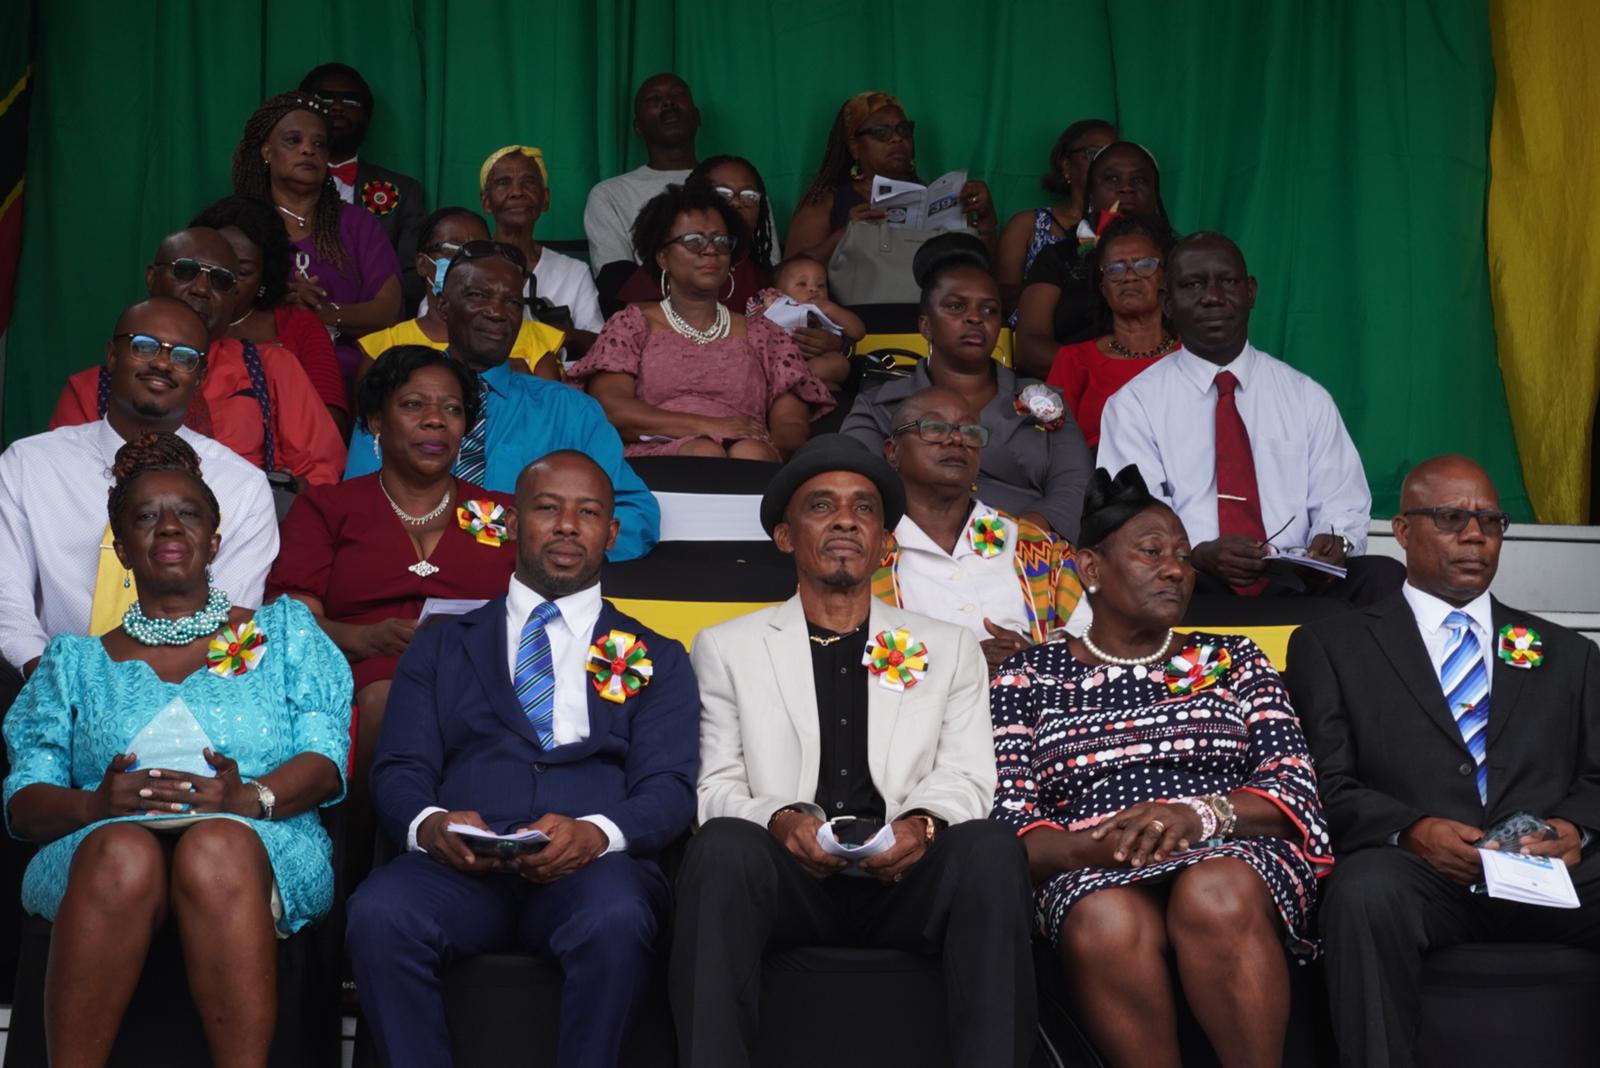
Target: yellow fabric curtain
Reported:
point(1544, 258)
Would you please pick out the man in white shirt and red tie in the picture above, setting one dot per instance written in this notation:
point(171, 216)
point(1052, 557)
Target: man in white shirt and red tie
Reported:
point(1249, 452)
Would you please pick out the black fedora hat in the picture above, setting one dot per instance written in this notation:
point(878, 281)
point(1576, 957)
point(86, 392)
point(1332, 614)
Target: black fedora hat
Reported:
point(832, 452)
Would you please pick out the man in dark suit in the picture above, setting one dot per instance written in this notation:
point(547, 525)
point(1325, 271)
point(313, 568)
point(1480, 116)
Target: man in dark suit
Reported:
point(1428, 728)
point(393, 198)
point(507, 718)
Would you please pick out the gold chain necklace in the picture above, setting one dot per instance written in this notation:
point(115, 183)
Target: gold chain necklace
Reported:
point(836, 637)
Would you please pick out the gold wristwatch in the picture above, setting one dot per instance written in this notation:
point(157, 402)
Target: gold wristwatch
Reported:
point(265, 797)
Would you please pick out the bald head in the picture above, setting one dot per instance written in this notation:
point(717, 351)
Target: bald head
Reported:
point(563, 524)
point(200, 268)
point(1451, 528)
point(933, 472)
point(567, 466)
point(1432, 480)
point(166, 319)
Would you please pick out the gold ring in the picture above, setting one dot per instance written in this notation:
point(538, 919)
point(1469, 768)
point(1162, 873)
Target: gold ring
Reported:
point(1159, 826)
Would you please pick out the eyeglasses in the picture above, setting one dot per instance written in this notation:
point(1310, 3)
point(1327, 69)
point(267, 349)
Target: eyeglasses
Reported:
point(1088, 152)
point(1492, 522)
point(186, 269)
point(1143, 267)
point(884, 133)
point(484, 249)
point(751, 197)
point(937, 432)
point(350, 103)
point(696, 242)
point(145, 347)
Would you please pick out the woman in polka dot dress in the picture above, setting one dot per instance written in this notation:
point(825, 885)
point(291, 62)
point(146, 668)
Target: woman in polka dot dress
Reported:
point(1164, 792)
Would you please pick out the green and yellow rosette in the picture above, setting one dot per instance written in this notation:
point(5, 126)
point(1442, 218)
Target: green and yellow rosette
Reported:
point(987, 535)
point(235, 651)
point(898, 659)
point(485, 521)
point(620, 666)
point(379, 197)
point(1195, 668)
point(1521, 647)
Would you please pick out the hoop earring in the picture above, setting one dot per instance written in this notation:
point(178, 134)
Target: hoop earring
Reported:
point(664, 285)
point(730, 286)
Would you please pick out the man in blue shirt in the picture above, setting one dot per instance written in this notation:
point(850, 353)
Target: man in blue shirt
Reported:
point(523, 417)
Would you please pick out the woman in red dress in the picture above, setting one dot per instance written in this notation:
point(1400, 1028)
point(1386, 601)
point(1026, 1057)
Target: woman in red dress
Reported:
point(365, 554)
point(1129, 262)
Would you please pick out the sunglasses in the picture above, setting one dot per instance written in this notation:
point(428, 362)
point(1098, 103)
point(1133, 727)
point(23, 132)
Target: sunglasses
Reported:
point(884, 133)
point(1492, 522)
point(696, 242)
point(1088, 152)
point(145, 348)
point(751, 197)
point(1143, 267)
point(187, 269)
point(350, 103)
point(937, 432)
point(484, 249)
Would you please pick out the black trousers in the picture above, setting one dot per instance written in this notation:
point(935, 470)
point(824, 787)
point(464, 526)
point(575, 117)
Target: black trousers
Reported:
point(1383, 909)
point(740, 894)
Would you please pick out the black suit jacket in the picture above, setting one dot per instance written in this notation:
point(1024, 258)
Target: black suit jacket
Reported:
point(1388, 751)
point(401, 224)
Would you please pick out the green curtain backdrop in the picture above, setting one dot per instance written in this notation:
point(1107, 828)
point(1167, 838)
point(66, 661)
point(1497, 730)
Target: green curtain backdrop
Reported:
point(1342, 142)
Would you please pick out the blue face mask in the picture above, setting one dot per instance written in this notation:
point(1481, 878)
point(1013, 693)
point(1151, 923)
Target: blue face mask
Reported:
point(440, 266)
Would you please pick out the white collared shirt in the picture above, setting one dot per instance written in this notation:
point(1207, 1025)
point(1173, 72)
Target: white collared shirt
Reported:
point(347, 190)
point(570, 635)
point(1431, 613)
point(53, 489)
point(961, 587)
point(1307, 468)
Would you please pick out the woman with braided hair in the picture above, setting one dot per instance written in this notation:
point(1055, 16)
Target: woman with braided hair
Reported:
point(342, 266)
point(172, 767)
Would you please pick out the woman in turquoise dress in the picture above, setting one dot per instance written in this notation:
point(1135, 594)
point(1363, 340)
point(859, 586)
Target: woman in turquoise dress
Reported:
point(173, 767)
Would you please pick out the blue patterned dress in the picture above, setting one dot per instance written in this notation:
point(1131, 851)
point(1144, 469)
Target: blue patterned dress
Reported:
point(80, 708)
point(1076, 743)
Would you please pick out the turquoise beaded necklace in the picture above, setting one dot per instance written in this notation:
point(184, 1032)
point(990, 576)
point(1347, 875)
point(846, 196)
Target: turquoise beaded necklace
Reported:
point(180, 631)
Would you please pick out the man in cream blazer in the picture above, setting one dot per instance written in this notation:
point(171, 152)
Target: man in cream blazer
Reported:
point(836, 716)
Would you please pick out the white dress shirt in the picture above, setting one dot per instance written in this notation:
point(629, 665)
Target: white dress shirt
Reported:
point(961, 587)
point(53, 490)
point(570, 635)
point(1307, 468)
point(1431, 613)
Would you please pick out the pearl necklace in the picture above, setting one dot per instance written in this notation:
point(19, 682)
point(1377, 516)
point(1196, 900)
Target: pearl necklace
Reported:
point(415, 520)
point(1128, 661)
point(183, 630)
point(716, 332)
point(301, 219)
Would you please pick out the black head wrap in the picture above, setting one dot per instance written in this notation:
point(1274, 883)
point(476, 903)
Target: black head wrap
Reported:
point(1110, 502)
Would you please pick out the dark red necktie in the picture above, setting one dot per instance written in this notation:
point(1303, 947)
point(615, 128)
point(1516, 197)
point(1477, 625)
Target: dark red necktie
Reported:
point(1238, 497)
point(345, 172)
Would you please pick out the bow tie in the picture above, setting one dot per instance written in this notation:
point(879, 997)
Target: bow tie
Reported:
point(345, 172)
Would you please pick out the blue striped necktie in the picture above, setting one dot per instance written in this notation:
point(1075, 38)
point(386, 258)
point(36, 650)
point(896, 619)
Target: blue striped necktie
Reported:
point(472, 461)
point(535, 679)
point(1465, 678)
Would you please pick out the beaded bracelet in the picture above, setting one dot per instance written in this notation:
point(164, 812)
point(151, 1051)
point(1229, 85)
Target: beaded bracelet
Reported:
point(1207, 814)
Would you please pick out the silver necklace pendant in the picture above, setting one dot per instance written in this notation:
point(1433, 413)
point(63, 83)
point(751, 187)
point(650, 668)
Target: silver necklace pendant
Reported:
point(422, 569)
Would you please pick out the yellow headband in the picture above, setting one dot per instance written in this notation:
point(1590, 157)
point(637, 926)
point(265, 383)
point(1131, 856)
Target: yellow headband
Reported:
point(501, 153)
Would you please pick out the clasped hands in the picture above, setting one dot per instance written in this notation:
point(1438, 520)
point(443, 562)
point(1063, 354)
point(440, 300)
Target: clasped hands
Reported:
point(573, 844)
point(133, 793)
point(797, 831)
point(1448, 847)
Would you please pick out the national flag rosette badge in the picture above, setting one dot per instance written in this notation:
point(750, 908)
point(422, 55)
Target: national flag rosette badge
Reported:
point(379, 197)
point(1521, 647)
point(1195, 668)
point(987, 533)
point(898, 659)
point(1043, 405)
point(485, 521)
point(620, 666)
point(236, 650)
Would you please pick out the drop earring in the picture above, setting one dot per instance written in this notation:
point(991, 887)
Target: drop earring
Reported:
point(855, 171)
point(377, 450)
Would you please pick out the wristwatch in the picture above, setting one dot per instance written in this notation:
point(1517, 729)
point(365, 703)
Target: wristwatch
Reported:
point(1346, 543)
point(266, 797)
point(930, 826)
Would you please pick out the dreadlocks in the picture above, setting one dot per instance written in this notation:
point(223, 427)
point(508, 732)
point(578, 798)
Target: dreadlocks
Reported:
point(250, 178)
point(836, 159)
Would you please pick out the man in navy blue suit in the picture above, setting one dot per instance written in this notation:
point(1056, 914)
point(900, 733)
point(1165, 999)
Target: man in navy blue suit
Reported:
point(506, 719)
